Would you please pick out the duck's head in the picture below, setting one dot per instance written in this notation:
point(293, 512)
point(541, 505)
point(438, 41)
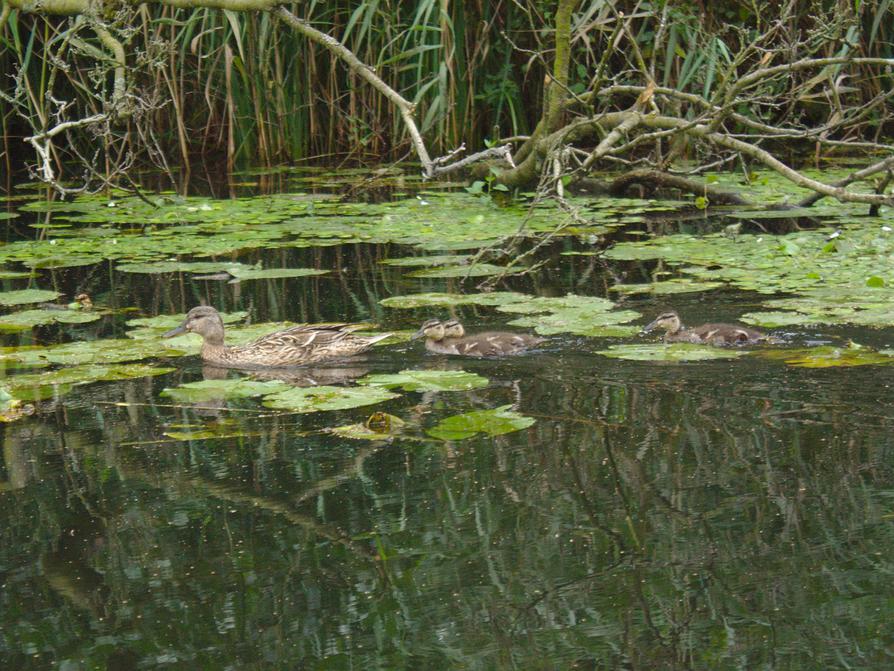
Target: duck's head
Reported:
point(453, 329)
point(203, 320)
point(433, 329)
point(669, 321)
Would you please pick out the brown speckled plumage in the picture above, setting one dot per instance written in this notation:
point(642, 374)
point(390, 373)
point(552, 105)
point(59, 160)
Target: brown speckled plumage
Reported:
point(706, 334)
point(449, 337)
point(295, 346)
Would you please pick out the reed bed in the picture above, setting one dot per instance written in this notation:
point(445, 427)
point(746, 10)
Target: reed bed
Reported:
point(243, 88)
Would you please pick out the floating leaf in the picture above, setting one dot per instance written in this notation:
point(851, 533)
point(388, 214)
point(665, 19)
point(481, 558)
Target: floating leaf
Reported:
point(26, 319)
point(13, 274)
point(829, 356)
point(209, 390)
point(25, 296)
point(275, 273)
point(427, 261)
point(198, 267)
point(494, 422)
point(670, 352)
point(89, 352)
point(678, 285)
point(875, 282)
point(34, 386)
point(476, 270)
point(776, 319)
point(428, 380)
point(316, 399)
point(449, 300)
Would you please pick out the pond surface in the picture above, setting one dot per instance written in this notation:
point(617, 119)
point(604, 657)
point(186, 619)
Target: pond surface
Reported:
point(561, 509)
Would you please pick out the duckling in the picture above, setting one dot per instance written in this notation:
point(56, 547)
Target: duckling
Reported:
point(449, 337)
point(708, 334)
point(295, 346)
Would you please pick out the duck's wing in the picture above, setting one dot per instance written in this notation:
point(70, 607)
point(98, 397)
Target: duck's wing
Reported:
point(303, 336)
point(728, 333)
point(495, 344)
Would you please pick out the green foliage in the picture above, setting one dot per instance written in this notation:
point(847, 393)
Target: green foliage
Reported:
point(317, 399)
point(495, 422)
point(428, 380)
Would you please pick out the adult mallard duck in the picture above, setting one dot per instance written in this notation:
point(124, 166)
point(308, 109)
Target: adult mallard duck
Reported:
point(449, 337)
point(295, 346)
point(707, 334)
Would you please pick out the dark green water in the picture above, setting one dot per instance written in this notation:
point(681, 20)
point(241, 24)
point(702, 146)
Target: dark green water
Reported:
point(707, 515)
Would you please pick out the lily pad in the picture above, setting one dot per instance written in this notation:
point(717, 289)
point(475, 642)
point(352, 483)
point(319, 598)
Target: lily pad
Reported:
point(776, 319)
point(829, 356)
point(672, 352)
point(275, 273)
point(440, 300)
point(26, 319)
point(428, 380)
point(89, 352)
point(26, 296)
point(427, 261)
point(198, 267)
point(495, 422)
point(581, 315)
point(13, 274)
point(209, 390)
point(476, 270)
point(316, 399)
point(673, 286)
point(34, 386)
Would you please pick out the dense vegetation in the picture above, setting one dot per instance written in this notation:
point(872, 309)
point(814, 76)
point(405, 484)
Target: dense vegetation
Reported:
point(244, 87)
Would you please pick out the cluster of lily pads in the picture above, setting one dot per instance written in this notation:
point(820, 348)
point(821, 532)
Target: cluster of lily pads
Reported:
point(831, 276)
point(143, 238)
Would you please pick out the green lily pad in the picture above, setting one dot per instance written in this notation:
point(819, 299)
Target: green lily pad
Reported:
point(495, 422)
point(581, 315)
point(476, 270)
point(843, 279)
point(673, 286)
point(427, 261)
point(428, 380)
point(829, 356)
point(26, 296)
point(197, 267)
point(275, 273)
point(776, 319)
point(440, 300)
point(671, 352)
point(26, 319)
point(89, 352)
point(35, 386)
point(317, 399)
point(209, 390)
point(13, 274)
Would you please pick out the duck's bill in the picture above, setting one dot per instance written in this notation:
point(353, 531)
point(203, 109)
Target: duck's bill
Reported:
point(648, 328)
point(417, 335)
point(175, 332)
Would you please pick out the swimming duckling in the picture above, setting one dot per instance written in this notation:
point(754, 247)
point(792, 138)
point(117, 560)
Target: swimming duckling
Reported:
point(707, 334)
point(295, 346)
point(449, 337)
